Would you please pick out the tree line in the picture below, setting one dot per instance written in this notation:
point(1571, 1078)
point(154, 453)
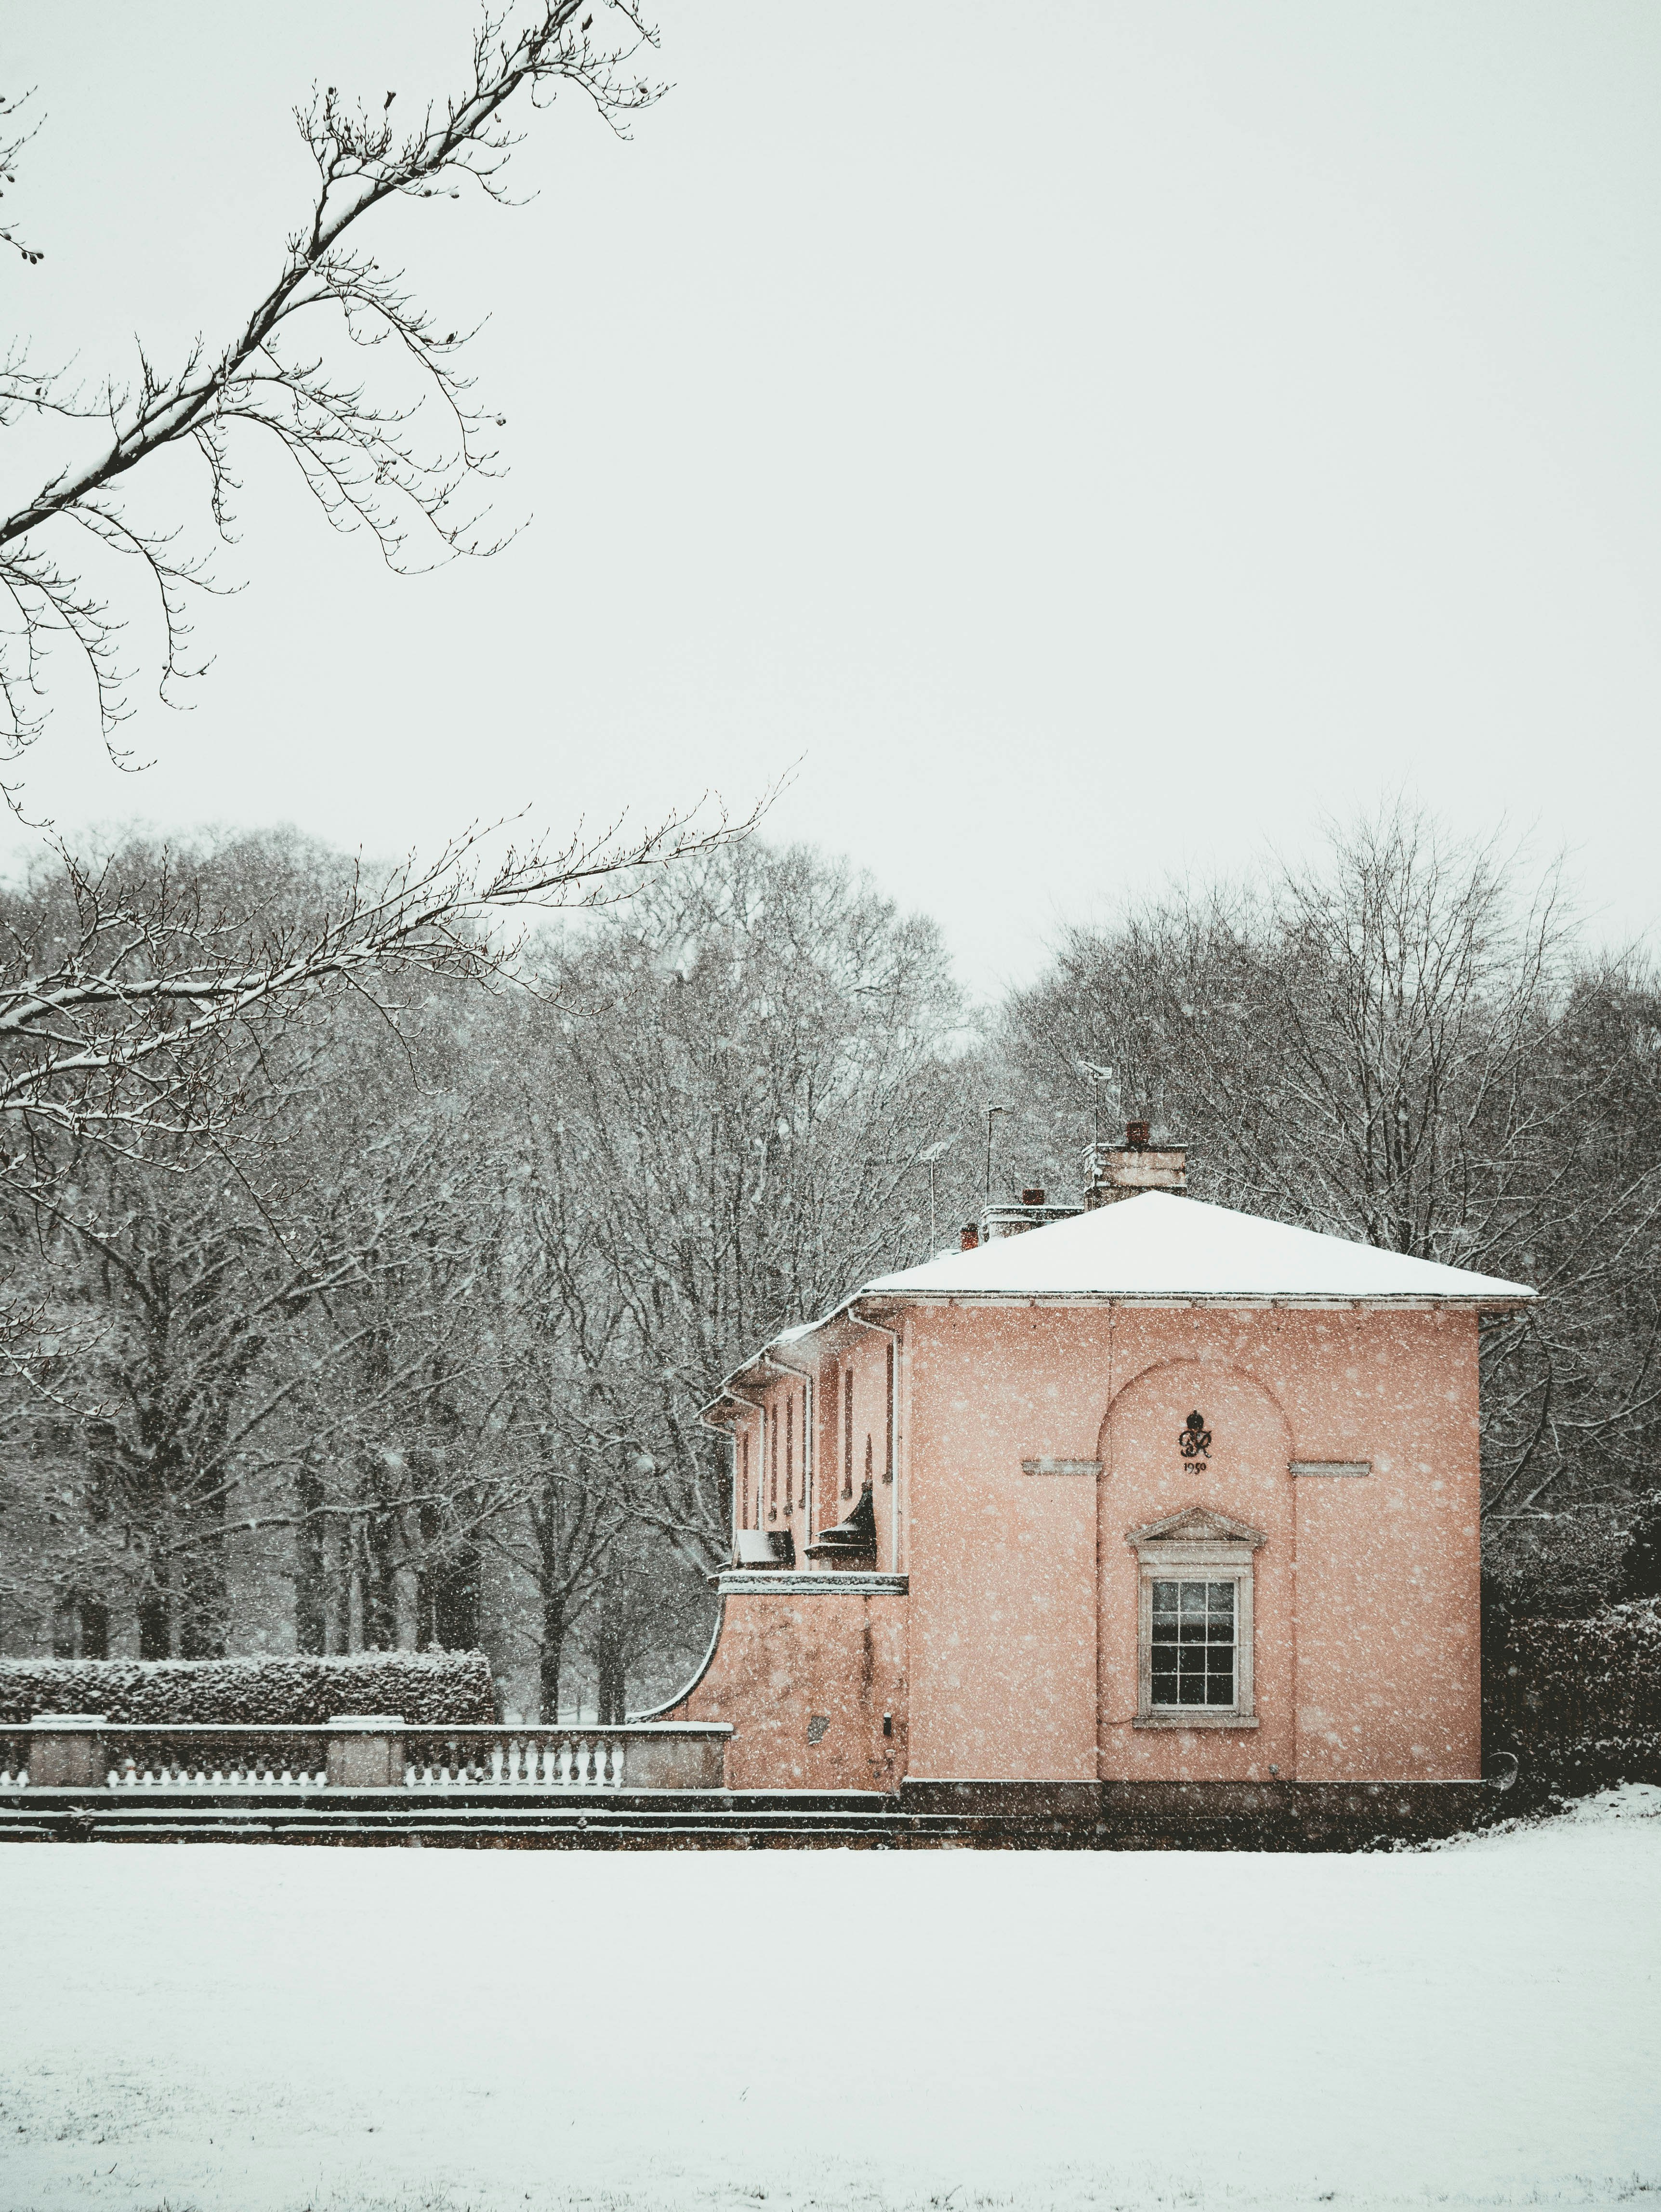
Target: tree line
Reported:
point(378, 1312)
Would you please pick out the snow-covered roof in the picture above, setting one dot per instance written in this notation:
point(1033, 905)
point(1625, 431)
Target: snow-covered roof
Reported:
point(1156, 1246)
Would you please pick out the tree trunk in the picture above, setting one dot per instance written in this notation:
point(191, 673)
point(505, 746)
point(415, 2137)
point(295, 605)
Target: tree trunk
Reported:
point(553, 1649)
point(613, 1689)
point(311, 1584)
point(204, 1627)
point(378, 1545)
point(155, 1615)
point(611, 1668)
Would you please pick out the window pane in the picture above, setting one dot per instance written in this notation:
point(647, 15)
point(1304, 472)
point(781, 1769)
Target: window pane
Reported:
point(1191, 1658)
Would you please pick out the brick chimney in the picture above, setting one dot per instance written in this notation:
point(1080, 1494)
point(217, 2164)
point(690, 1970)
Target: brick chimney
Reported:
point(1127, 1169)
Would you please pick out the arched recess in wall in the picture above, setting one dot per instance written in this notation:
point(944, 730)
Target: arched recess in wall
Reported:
point(1154, 1459)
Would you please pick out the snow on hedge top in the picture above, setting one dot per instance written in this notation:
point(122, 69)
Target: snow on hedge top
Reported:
point(1156, 1246)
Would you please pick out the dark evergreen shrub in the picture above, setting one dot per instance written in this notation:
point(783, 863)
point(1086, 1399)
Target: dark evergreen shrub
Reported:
point(1579, 1701)
point(430, 1689)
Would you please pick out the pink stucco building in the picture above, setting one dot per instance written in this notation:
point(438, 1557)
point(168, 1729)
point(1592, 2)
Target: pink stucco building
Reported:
point(1147, 1491)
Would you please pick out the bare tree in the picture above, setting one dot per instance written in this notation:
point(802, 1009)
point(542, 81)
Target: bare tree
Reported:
point(1400, 1045)
point(740, 1081)
point(123, 985)
point(308, 367)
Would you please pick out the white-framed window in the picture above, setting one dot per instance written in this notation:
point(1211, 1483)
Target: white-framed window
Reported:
point(1194, 1651)
point(1194, 1621)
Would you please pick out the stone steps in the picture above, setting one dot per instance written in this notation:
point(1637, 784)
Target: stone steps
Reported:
point(930, 1819)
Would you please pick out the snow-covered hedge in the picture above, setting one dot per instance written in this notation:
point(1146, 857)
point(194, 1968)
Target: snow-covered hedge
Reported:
point(431, 1688)
point(1581, 1697)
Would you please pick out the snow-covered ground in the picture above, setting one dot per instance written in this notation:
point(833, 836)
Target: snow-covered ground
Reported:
point(240, 2030)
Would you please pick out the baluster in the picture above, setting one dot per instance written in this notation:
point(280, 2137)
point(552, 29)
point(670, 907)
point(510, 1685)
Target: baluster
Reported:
point(619, 1756)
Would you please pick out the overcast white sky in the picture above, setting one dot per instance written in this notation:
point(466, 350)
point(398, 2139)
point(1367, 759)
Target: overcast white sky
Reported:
point(1087, 439)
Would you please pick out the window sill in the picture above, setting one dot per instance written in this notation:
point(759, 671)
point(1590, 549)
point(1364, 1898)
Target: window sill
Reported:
point(1197, 1718)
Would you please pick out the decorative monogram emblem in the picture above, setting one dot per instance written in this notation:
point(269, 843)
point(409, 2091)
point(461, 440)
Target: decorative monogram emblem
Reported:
point(1194, 1438)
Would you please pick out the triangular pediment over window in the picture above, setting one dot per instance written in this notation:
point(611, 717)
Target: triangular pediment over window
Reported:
point(1196, 1525)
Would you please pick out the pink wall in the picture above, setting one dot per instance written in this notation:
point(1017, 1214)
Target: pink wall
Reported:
point(1014, 1657)
point(783, 1659)
point(1366, 1590)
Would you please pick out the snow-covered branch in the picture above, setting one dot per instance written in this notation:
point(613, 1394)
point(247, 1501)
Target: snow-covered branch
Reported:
point(307, 367)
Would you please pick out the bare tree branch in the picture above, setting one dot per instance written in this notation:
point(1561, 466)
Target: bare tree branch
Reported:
point(396, 462)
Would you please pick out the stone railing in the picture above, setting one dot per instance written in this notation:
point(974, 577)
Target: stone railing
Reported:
point(377, 1751)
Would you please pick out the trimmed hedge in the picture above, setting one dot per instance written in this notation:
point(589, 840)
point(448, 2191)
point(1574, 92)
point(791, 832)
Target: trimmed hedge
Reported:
point(430, 1689)
point(1579, 1701)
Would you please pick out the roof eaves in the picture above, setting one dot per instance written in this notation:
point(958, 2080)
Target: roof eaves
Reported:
point(1398, 1301)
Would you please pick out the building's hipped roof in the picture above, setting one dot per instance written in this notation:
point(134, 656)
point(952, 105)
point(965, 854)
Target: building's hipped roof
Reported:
point(1161, 1247)
point(1157, 1247)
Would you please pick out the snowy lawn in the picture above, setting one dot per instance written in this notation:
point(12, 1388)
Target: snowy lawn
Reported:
point(238, 2030)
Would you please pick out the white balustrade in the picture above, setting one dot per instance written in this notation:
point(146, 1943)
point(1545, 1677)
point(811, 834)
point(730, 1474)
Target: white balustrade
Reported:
point(168, 1772)
point(524, 1761)
point(472, 1759)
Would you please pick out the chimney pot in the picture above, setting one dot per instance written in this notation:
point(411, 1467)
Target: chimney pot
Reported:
point(1032, 1196)
point(970, 1236)
point(1137, 1134)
